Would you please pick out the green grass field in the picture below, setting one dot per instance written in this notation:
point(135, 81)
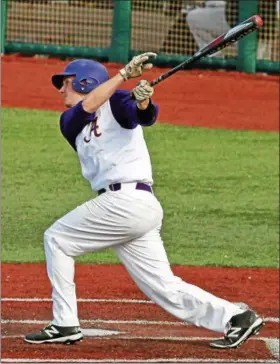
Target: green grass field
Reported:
point(218, 188)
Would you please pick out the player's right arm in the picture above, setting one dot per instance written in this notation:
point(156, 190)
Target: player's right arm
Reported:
point(102, 93)
point(127, 112)
point(74, 119)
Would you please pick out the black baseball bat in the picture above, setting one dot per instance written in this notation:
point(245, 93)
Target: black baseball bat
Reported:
point(233, 35)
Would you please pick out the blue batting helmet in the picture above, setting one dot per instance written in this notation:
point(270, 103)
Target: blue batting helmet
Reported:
point(88, 75)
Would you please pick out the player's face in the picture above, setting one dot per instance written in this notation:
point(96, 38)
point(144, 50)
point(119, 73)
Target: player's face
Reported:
point(70, 96)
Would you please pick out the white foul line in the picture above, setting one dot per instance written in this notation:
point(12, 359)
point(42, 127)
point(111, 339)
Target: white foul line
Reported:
point(272, 343)
point(87, 300)
point(111, 300)
point(99, 321)
point(151, 338)
point(95, 300)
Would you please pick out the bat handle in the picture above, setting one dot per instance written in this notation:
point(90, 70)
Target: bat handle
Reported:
point(156, 81)
point(163, 76)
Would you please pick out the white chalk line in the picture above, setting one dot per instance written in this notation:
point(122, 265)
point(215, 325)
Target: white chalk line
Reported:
point(100, 321)
point(86, 300)
point(108, 300)
point(272, 343)
point(96, 300)
point(152, 338)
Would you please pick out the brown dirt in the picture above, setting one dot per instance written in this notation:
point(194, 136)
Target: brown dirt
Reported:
point(93, 348)
point(258, 287)
point(195, 98)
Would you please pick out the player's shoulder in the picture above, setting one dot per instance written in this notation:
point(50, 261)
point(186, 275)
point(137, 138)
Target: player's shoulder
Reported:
point(120, 94)
point(71, 110)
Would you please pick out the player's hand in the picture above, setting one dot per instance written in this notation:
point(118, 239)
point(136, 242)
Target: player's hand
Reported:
point(143, 91)
point(137, 65)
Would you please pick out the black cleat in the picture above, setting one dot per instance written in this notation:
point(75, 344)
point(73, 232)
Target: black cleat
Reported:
point(242, 326)
point(55, 334)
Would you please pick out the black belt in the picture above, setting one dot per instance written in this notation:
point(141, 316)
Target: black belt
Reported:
point(118, 186)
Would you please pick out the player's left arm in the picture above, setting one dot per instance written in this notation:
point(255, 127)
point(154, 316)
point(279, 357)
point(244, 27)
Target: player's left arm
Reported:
point(147, 111)
point(129, 110)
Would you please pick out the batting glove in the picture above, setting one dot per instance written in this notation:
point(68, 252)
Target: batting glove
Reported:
point(143, 91)
point(136, 66)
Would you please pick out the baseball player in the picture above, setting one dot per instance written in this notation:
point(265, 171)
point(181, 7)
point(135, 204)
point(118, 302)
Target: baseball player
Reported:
point(104, 125)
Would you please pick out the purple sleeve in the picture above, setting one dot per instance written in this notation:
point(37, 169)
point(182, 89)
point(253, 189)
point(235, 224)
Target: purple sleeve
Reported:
point(72, 122)
point(126, 112)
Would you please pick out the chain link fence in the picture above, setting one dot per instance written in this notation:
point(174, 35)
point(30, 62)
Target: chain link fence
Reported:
point(178, 27)
point(269, 36)
point(63, 22)
point(168, 27)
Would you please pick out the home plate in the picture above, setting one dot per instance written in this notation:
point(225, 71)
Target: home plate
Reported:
point(99, 332)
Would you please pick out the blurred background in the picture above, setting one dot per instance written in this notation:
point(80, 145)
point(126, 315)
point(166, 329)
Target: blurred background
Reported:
point(115, 30)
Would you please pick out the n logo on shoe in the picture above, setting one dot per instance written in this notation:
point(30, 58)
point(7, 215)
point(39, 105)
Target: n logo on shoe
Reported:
point(51, 331)
point(234, 332)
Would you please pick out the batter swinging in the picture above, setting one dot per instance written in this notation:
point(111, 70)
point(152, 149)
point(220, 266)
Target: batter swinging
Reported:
point(104, 126)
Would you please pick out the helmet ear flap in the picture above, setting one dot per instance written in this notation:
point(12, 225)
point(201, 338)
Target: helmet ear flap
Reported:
point(84, 84)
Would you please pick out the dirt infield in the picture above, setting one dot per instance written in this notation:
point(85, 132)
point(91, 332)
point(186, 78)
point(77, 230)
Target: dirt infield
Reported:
point(195, 98)
point(119, 324)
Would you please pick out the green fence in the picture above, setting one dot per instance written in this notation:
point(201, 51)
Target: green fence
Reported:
point(115, 30)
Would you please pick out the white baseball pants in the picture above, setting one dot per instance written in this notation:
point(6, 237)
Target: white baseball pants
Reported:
point(129, 221)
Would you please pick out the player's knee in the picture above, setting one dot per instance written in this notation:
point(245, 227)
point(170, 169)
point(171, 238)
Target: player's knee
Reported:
point(49, 237)
point(55, 241)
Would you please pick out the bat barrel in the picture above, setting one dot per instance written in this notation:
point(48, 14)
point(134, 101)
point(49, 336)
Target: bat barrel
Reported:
point(249, 25)
point(257, 20)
